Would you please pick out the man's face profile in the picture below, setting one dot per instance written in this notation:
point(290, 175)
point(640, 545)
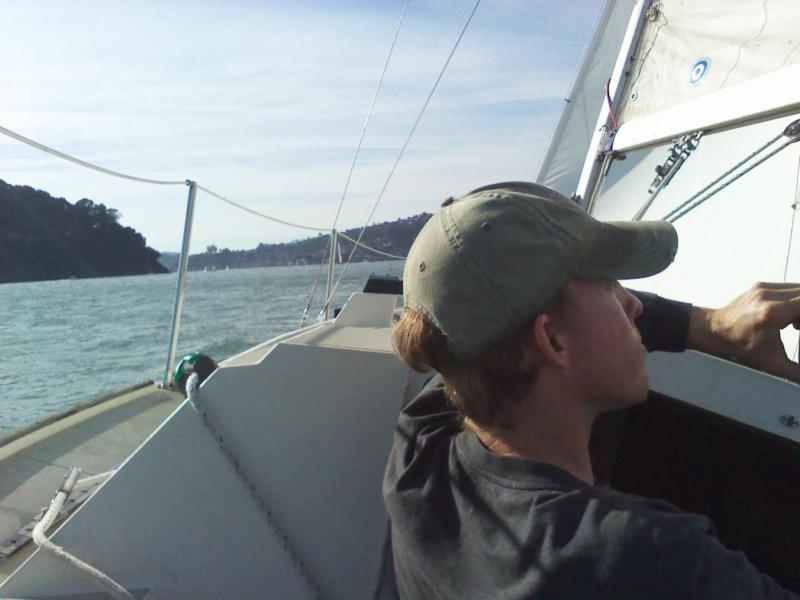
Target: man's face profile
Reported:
point(606, 355)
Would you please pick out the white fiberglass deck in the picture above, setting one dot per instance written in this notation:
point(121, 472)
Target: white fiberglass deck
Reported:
point(276, 493)
point(97, 437)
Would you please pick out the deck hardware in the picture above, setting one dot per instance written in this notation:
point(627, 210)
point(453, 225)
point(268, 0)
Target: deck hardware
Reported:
point(677, 155)
point(792, 129)
point(790, 421)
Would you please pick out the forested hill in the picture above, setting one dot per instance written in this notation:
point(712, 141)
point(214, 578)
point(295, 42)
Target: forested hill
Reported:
point(392, 237)
point(42, 237)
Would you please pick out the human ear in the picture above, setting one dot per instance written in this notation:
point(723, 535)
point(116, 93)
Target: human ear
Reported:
point(548, 341)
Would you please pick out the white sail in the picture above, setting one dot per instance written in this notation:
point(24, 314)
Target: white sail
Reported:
point(747, 232)
point(740, 236)
point(711, 65)
point(562, 163)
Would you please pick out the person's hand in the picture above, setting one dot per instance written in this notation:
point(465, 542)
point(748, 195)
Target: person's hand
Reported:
point(748, 328)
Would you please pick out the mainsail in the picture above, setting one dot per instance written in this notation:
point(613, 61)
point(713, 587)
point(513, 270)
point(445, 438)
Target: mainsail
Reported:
point(711, 65)
point(733, 76)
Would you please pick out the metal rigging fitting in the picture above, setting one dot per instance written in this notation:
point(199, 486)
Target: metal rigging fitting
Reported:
point(792, 135)
point(677, 155)
point(792, 130)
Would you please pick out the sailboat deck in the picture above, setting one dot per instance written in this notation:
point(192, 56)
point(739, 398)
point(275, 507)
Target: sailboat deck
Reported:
point(96, 438)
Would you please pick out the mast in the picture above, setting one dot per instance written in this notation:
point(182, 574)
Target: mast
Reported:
point(597, 155)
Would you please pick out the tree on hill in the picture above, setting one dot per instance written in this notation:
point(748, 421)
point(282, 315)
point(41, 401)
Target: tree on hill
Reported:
point(42, 237)
point(392, 237)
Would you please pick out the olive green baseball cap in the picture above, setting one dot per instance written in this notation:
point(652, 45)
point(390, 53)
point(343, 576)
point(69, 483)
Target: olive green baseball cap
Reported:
point(489, 261)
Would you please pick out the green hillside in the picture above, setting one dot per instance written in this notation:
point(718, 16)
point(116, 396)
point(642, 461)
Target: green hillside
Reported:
point(42, 237)
point(392, 237)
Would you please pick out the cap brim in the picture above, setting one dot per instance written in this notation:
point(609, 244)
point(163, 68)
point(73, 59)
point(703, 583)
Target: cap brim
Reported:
point(629, 250)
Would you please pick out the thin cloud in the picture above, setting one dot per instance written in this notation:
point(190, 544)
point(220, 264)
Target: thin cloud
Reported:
point(264, 103)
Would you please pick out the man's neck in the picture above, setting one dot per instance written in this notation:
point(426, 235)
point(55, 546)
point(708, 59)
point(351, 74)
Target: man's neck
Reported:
point(554, 430)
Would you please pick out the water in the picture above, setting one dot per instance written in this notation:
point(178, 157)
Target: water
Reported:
point(62, 342)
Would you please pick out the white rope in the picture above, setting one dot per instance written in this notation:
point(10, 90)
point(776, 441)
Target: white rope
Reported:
point(39, 537)
point(88, 165)
point(83, 163)
point(402, 151)
point(192, 384)
point(94, 167)
point(257, 213)
point(92, 479)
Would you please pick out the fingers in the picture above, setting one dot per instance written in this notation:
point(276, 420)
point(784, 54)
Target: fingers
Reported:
point(780, 366)
point(788, 370)
point(783, 311)
point(774, 285)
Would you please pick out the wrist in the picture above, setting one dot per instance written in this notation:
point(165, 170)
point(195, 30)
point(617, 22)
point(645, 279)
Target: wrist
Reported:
point(707, 333)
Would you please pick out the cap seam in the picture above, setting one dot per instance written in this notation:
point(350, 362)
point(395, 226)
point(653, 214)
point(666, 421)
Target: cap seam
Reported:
point(474, 268)
point(412, 303)
point(527, 206)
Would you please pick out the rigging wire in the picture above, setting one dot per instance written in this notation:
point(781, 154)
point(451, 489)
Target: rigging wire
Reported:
point(369, 116)
point(355, 158)
point(290, 224)
point(304, 317)
point(83, 163)
point(98, 168)
point(699, 198)
point(795, 206)
point(402, 152)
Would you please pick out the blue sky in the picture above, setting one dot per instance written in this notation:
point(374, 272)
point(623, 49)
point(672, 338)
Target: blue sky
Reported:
point(264, 102)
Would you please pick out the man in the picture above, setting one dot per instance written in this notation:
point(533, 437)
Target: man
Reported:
point(511, 294)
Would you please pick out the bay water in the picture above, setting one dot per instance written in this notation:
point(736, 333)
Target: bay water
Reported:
point(63, 342)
